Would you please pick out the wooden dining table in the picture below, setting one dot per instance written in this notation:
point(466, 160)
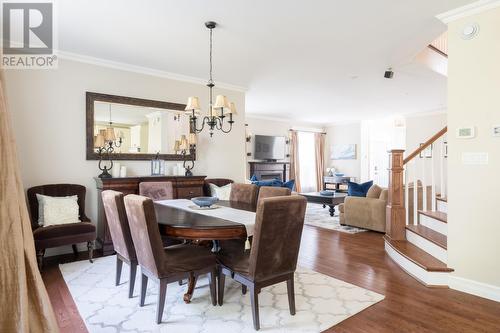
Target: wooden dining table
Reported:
point(189, 225)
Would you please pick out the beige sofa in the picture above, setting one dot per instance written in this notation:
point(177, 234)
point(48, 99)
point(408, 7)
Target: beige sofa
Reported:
point(365, 212)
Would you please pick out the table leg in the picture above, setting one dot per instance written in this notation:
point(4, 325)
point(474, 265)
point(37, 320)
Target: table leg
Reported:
point(324, 205)
point(332, 210)
point(191, 285)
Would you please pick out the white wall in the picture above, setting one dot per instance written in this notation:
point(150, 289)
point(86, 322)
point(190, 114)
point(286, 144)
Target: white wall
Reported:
point(344, 134)
point(474, 197)
point(48, 111)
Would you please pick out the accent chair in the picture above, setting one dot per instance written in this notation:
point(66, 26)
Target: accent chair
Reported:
point(63, 234)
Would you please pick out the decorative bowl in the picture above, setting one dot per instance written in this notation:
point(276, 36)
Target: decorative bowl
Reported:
point(338, 174)
point(327, 193)
point(204, 201)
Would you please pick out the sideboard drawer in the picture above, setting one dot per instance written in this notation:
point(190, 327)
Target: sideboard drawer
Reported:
point(189, 192)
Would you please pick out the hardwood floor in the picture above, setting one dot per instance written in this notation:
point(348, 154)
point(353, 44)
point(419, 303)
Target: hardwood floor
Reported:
point(358, 259)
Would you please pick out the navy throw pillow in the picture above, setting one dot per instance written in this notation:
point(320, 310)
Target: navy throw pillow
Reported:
point(358, 190)
point(290, 184)
point(273, 182)
point(254, 178)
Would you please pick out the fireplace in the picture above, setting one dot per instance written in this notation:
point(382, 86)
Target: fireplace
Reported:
point(270, 170)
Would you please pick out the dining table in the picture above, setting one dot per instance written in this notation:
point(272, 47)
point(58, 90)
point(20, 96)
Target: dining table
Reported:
point(178, 220)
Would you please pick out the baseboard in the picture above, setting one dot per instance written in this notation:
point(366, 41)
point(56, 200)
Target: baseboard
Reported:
point(475, 288)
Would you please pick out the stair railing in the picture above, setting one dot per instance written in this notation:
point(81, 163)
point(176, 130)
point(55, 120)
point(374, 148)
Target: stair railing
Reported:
point(418, 171)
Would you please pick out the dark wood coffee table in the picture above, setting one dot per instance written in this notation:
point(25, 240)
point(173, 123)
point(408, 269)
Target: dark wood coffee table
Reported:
point(325, 200)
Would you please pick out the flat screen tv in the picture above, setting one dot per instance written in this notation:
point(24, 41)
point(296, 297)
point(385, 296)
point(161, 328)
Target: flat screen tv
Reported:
point(269, 147)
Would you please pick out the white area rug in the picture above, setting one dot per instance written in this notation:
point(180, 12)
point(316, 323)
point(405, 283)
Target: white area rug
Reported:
point(321, 302)
point(318, 216)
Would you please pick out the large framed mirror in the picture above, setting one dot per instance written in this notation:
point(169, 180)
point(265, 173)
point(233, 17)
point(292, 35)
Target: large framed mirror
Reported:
point(141, 128)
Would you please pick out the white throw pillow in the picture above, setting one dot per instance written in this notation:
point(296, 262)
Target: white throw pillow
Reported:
point(57, 210)
point(222, 192)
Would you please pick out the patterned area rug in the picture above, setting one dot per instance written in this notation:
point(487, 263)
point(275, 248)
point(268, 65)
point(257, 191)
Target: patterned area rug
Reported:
point(321, 302)
point(318, 216)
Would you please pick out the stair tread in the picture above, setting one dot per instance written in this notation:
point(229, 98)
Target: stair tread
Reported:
point(443, 217)
point(418, 256)
point(429, 234)
point(444, 199)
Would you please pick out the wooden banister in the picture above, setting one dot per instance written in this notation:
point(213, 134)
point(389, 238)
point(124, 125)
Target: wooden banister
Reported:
point(425, 145)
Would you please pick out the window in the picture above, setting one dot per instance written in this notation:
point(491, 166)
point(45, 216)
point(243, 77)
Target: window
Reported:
point(307, 161)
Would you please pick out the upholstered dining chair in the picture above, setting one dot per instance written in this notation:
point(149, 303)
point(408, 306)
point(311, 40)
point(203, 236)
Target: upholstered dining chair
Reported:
point(273, 256)
point(164, 265)
point(114, 208)
point(273, 191)
point(63, 234)
point(246, 193)
point(157, 190)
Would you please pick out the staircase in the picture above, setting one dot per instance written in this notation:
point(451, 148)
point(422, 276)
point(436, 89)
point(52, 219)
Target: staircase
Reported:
point(416, 237)
point(435, 56)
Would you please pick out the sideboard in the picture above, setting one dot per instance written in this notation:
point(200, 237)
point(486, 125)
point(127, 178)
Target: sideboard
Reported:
point(184, 188)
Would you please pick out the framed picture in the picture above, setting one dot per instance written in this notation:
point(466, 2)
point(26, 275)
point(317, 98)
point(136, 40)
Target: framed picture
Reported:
point(343, 152)
point(427, 152)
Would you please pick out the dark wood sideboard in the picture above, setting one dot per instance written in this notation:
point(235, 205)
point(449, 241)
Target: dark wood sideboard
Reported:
point(184, 188)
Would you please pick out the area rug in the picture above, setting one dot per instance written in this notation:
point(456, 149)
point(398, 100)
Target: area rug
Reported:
point(321, 302)
point(318, 216)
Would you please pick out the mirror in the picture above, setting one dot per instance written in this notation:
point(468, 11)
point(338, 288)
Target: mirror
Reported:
point(139, 128)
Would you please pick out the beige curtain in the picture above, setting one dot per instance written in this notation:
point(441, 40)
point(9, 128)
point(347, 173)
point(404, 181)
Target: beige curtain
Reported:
point(294, 159)
point(319, 148)
point(25, 306)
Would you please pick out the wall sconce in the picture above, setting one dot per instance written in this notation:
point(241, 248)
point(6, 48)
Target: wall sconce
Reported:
point(249, 137)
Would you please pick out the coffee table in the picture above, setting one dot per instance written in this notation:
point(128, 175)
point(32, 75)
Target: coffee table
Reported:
point(325, 200)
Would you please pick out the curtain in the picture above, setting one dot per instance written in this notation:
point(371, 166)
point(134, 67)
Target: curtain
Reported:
point(24, 301)
point(319, 149)
point(294, 159)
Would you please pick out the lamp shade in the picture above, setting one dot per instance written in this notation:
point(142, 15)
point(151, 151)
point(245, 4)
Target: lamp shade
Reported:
point(221, 101)
point(110, 134)
point(193, 104)
point(231, 109)
point(184, 143)
point(98, 141)
point(192, 139)
point(177, 145)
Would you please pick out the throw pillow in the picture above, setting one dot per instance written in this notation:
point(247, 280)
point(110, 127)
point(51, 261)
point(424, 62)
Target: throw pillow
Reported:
point(220, 192)
point(273, 182)
point(57, 210)
point(254, 178)
point(290, 184)
point(358, 190)
point(374, 192)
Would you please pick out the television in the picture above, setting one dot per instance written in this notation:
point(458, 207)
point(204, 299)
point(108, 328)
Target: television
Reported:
point(269, 147)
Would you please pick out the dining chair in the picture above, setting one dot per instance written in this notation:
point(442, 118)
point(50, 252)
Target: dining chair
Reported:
point(114, 208)
point(273, 191)
point(273, 256)
point(157, 190)
point(246, 193)
point(63, 234)
point(164, 265)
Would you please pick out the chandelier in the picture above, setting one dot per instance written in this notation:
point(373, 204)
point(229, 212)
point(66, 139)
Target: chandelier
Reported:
point(218, 111)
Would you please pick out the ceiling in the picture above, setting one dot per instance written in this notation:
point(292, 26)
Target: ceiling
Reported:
point(317, 61)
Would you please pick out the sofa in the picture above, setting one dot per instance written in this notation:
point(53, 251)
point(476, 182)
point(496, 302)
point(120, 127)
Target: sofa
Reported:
point(365, 212)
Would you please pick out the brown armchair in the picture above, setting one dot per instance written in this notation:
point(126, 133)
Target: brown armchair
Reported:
point(365, 212)
point(275, 249)
point(64, 234)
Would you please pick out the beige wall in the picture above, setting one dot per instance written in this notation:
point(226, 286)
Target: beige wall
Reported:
point(473, 100)
point(48, 110)
point(344, 134)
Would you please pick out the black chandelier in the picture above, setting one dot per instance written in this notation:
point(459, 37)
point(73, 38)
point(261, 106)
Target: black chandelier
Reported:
point(218, 111)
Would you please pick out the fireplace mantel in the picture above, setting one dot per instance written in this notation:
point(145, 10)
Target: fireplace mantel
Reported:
point(270, 170)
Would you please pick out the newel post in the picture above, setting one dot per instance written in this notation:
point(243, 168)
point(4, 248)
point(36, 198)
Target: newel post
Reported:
point(395, 211)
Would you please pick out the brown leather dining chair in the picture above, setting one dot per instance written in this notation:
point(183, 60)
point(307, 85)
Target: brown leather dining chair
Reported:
point(63, 234)
point(273, 191)
point(157, 190)
point(273, 256)
point(164, 265)
point(114, 208)
point(246, 193)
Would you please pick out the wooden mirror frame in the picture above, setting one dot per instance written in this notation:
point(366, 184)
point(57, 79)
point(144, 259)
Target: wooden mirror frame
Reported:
point(92, 97)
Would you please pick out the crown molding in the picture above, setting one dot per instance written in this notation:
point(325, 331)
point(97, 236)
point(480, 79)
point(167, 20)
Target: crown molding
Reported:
point(425, 113)
point(467, 10)
point(282, 120)
point(142, 70)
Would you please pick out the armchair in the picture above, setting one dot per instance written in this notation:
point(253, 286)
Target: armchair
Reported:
point(64, 234)
point(365, 212)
